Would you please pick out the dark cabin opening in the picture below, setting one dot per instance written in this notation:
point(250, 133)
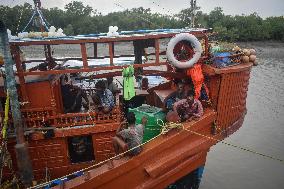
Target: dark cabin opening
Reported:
point(81, 149)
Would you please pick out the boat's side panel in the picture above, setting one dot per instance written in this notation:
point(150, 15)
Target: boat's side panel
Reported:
point(39, 94)
point(51, 157)
point(232, 97)
point(57, 97)
point(214, 87)
point(103, 147)
point(48, 155)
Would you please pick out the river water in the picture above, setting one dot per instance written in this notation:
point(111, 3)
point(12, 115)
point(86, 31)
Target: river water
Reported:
point(262, 131)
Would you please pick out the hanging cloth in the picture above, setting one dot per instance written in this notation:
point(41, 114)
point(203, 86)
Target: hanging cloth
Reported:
point(198, 80)
point(128, 82)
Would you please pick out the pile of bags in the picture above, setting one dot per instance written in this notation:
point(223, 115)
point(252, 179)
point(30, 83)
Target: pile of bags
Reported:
point(51, 33)
point(112, 31)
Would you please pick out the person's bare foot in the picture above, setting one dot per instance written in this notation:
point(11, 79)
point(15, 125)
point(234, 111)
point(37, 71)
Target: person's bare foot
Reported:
point(110, 164)
point(117, 157)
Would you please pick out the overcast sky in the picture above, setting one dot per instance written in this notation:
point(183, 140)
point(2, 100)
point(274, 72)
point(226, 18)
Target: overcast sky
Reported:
point(264, 8)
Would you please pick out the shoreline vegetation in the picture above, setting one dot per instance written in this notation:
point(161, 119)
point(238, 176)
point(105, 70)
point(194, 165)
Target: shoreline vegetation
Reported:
point(77, 18)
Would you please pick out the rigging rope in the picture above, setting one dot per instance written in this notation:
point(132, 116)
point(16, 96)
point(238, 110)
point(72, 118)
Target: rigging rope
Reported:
point(238, 147)
point(31, 19)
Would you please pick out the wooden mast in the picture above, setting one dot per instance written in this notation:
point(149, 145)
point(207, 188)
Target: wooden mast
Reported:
point(23, 159)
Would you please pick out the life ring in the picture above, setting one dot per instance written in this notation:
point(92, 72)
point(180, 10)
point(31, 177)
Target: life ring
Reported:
point(189, 47)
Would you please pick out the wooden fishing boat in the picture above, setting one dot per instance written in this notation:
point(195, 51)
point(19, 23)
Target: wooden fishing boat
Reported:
point(166, 158)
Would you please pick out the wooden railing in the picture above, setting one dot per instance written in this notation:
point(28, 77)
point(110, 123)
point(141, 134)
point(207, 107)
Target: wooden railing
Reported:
point(35, 118)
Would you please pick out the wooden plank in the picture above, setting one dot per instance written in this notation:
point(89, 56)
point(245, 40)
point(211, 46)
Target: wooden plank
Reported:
point(111, 52)
point(84, 55)
point(157, 51)
point(95, 50)
point(91, 69)
point(20, 73)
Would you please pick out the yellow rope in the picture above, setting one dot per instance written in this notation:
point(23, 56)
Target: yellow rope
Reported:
point(238, 147)
point(6, 116)
point(166, 127)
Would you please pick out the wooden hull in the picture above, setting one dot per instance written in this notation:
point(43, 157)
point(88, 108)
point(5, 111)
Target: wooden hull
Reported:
point(162, 162)
point(176, 154)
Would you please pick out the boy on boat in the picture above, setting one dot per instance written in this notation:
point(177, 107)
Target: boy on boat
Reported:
point(103, 98)
point(130, 137)
point(179, 94)
point(188, 109)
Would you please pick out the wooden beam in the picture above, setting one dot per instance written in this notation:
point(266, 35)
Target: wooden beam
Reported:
point(84, 55)
point(20, 71)
point(48, 72)
point(111, 52)
point(95, 50)
point(157, 51)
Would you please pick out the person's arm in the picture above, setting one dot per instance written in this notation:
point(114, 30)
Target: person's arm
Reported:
point(121, 125)
point(199, 112)
point(144, 121)
point(176, 104)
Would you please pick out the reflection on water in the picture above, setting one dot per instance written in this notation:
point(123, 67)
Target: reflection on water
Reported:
point(263, 131)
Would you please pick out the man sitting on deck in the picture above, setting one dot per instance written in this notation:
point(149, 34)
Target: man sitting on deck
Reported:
point(72, 97)
point(106, 99)
point(131, 137)
point(188, 109)
point(112, 86)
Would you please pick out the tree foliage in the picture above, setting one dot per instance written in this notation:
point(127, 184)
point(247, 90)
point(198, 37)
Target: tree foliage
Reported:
point(77, 18)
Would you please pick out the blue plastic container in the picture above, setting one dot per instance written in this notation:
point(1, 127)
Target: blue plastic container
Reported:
point(222, 59)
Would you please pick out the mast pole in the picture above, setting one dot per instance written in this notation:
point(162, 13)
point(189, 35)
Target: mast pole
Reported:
point(23, 159)
point(193, 8)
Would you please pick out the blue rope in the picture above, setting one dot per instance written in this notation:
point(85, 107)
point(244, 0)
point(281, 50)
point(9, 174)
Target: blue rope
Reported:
point(42, 20)
point(45, 21)
point(29, 21)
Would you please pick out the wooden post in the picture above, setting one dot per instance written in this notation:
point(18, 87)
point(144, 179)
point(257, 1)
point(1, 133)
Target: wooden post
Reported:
point(95, 50)
point(206, 46)
point(157, 51)
point(23, 159)
point(47, 51)
point(84, 55)
point(111, 52)
point(17, 59)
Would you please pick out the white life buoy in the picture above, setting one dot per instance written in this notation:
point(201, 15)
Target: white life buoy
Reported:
point(196, 45)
